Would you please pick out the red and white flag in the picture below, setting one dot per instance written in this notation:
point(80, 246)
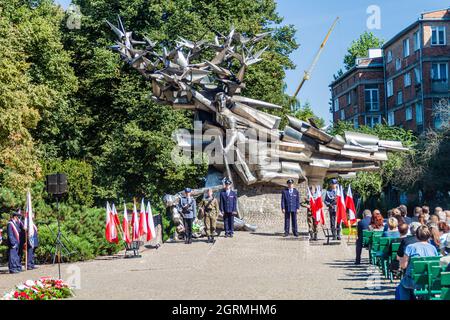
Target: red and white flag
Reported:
point(142, 220)
point(125, 226)
point(111, 231)
point(319, 206)
point(135, 223)
point(350, 204)
point(115, 215)
point(341, 214)
point(151, 234)
point(29, 225)
point(312, 204)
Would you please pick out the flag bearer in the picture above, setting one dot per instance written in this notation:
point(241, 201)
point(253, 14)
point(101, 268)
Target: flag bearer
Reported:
point(187, 207)
point(210, 207)
point(331, 203)
point(228, 208)
point(290, 205)
point(312, 225)
point(31, 248)
point(14, 242)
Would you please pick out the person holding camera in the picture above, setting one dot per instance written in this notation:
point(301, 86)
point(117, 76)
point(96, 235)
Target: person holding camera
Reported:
point(210, 210)
point(187, 207)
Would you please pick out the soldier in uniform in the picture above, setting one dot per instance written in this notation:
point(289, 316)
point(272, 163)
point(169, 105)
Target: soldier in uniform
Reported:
point(290, 205)
point(31, 248)
point(14, 242)
point(187, 207)
point(210, 207)
point(228, 208)
point(312, 225)
point(330, 202)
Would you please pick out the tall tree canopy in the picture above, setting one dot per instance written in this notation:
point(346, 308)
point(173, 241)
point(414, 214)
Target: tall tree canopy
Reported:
point(360, 48)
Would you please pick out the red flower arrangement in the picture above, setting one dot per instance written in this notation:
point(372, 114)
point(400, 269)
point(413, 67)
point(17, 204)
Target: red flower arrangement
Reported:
point(45, 288)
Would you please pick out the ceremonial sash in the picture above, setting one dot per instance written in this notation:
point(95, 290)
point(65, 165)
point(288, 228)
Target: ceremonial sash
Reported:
point(14, 228)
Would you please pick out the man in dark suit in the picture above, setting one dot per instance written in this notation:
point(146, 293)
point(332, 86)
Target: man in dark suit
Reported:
point(14, 243)
point(363, 224)
point(228, 208)
point(290, 205)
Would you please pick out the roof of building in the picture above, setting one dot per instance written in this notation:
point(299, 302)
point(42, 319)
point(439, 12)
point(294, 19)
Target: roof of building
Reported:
point(414, 24)
point(362, 63)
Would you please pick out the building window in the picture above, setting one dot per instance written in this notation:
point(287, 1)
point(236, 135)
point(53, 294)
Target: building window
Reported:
point(389, 56)
point(336, 104)
point(371, 98)
point(349, 98)
point(439, 72)
point(391, 118)
point(417, 75)
point(417, 42)
point(405, 48)
point(390, 88)
point(399, 97)
point(407, 79)
point(408, 113)
point(398, 64)
point(355, 122)
point(419, 113)
point(438, 36)
point(342, 114)
point(372, 121)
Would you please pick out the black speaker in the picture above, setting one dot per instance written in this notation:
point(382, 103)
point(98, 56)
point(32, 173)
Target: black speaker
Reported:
point(56, 184)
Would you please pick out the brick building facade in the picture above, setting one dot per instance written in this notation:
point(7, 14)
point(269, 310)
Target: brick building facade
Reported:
point(401, 85)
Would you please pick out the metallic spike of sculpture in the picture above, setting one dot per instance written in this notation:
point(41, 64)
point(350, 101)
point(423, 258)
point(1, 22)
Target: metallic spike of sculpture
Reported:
point(185, 79)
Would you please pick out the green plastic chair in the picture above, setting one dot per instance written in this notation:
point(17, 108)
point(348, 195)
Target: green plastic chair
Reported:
point(383, 254)
point(421, 273)
point(393, 259)
point(367, 238)
point(375, 246)
point(434, 279)
point(445, 285)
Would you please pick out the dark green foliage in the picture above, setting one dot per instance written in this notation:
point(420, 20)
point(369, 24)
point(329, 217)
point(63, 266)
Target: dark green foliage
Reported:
point(360, 48)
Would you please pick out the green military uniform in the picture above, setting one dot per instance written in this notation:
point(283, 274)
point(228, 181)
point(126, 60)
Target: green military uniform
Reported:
point(312, 226)
point(210, 208)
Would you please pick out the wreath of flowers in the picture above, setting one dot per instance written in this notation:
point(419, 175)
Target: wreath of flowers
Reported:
point(46, 288)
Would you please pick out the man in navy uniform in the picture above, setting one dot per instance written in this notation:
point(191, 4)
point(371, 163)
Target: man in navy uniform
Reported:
point(31, 247)
point(290, 205)
point(14, 242)
point(188, 210)
point(330, 202)
point(228, 208)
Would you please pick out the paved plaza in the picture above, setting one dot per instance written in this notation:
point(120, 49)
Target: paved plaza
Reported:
point(260, 265)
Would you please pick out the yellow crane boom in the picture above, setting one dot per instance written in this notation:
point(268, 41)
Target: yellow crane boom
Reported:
point(307, 74)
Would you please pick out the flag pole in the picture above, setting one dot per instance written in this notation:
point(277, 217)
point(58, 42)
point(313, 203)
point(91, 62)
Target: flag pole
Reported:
point(27, 221)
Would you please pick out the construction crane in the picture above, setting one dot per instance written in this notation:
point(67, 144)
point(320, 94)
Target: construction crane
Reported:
point(316, 58)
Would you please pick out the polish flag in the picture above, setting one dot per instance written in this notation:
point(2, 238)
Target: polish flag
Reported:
point(111, 231)
point(135, 223)
point(151, 234)
point(341, 214)
point(125, 227)
point(312, 204)
point(142, 220)
point(29, 225)
point(115, 215)
point(319, 217)
point(350, 204)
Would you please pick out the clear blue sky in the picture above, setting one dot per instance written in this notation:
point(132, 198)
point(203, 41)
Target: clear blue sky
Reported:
point(312, 20)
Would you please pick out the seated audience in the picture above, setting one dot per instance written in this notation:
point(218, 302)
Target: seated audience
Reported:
point(426, 212)
point(393, 228)
point(405, 290)
point(444, 239)
point(403, 229)
point(376, 222)
point(408, 240)
point(433, 219)
point(435, 237)
point(421, 219)
point(417, 212)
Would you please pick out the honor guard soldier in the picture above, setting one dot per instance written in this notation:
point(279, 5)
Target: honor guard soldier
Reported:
point(330, 202)
point(210, 208)
point(290, 205)
point(187, 207)
point(32, 244)
point(14, 242)
point(228, 208)
point(312, 225)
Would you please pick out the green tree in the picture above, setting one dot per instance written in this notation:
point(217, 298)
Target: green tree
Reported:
point(306, 113)
point(360, 48)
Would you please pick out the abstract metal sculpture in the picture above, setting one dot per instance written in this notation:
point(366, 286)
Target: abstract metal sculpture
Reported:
point(184, 79)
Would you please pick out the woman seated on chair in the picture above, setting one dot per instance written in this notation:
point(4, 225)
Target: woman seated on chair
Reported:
point(376, 224)
point(405, 290)
point(393, 229)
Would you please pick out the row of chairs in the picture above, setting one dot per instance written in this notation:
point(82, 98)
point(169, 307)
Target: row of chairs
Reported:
point(431, 280)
